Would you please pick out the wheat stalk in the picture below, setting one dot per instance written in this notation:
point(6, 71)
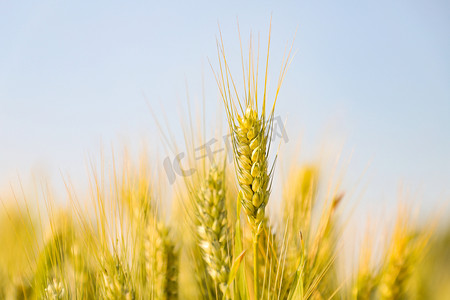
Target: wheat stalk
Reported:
point(269, 260)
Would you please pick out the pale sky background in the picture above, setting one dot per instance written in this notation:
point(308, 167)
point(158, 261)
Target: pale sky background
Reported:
point(373, 74)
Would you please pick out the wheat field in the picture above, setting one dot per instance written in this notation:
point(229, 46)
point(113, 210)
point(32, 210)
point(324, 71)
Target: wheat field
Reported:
point(217, 238)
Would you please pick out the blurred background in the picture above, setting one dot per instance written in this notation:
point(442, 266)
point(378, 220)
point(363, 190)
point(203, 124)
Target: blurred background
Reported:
point(369, 81)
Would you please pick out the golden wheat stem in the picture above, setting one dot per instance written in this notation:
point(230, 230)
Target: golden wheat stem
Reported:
point(255, 266)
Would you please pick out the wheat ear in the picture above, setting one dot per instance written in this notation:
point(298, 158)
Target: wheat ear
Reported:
point(55, 290)
point(117, 284)
point(251, 137)
point(212, 228)
point(251, 141)
point(251, 133)
point(404, 252)
point(161, 262)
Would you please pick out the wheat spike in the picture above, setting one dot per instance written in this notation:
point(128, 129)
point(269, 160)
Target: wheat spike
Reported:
point(117, 284)
point(251, 143)
point(55, 290)
point(161, 262)
point(403, 254)
point(251, 133)
point(212, 228)
point(251, 140)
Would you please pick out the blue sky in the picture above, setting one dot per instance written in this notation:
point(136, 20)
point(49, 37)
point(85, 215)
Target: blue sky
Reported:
point(375, 75)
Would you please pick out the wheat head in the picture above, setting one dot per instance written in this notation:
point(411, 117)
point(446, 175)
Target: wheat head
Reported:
point(405, 250)
point(55, 290)
point(116, 281)
point(161, 262)
point(212, 227)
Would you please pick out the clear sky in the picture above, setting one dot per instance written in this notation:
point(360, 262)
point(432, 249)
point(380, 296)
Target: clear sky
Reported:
point(374, 73)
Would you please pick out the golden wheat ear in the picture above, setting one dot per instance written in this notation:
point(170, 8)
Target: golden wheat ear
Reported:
point(55, 290)
point(162, 260)
point(251, 132)
point(402, 256)
point(212, 229)
point(116, 281)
